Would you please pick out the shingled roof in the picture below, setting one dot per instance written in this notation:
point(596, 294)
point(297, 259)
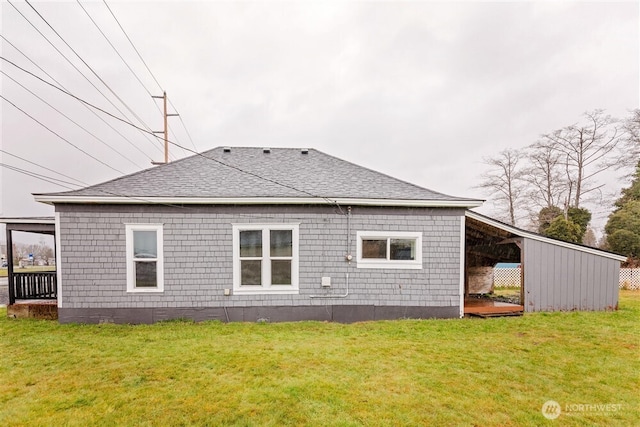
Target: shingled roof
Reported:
point(257, 175)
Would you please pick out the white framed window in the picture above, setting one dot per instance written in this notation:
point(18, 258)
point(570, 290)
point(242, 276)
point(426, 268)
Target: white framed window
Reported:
point(265, 258)
point(145, 258)
point(389, 249)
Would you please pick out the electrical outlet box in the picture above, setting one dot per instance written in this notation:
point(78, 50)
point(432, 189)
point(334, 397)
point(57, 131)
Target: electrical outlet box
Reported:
point(326, 282)
point(227, 292)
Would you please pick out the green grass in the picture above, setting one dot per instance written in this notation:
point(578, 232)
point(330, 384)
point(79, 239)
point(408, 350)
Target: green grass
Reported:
point(36, 268)
point(491, 372)
point(507, 292)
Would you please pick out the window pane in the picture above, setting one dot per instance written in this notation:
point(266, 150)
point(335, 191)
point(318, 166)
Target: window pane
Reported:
point(281, 272)
point(403, 249)
point(250, 273)
point(146, 274)
point(376, 249)
point(144, 244)
point(281, 243)
point(251, 243)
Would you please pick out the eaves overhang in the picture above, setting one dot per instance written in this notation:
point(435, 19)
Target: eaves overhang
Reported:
point(28, 220)
point(53, 199)
point(533, 236)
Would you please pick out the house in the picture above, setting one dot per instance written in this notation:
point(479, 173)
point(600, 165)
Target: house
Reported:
point(248, 234)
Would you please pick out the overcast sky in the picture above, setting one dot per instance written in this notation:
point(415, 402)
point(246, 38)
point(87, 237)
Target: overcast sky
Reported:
point(418, 90)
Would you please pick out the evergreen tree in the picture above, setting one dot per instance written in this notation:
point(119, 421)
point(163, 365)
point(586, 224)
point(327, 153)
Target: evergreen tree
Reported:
point(545, 216)
point(623, 226)
point(581, 217)
point(565, 229)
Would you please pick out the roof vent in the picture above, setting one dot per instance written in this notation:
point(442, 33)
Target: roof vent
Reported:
point(304, 151)
point(226, 150)
point(266, 150)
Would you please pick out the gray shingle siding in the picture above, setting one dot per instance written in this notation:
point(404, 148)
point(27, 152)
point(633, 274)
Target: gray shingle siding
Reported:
point(198, 256)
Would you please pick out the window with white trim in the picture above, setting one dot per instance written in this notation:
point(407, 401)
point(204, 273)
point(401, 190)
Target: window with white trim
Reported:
point(389, 249)
point(265, 258)
point(145, 258)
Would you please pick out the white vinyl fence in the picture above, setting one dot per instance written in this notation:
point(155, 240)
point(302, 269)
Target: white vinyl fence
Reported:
point(510, 278)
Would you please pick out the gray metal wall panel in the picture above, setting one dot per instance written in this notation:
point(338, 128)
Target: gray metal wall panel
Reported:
point(559, 278)
point(575, 287)
point(614, 293)
point(198, 256)
point(568, 258)
point(603, 294)
point(594, 284)
point(555, 294)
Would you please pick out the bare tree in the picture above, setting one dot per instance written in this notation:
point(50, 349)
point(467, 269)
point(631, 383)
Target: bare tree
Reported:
point(20, 251)
point(505, 180)
point(44, 251)
point(586, 152)
point(544, 175)
point(630, 147)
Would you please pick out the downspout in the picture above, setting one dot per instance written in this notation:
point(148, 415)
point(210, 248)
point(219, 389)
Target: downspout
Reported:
point(348, 257)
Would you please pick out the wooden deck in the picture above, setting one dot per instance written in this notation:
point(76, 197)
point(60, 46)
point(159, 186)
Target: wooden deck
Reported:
point(485, 307)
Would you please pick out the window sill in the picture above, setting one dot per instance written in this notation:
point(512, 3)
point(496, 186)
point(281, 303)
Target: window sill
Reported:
point(266, 291)
point(390, 265)
point(145, 291)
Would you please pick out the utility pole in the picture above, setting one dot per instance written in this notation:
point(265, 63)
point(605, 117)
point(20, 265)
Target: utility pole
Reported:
point(165, 131)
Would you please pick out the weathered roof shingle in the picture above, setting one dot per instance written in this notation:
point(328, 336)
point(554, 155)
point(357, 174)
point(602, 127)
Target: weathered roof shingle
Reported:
point(253, 173)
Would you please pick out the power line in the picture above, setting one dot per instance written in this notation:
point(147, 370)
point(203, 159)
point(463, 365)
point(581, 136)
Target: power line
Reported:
point(39, 176)
point(139, 199)
point(72, 121)
point(174, 143)
point(78, 98)
point(116, 51)
point(76, 68)
point(43, 167)
point(123, 60)
point(153, 134)
point(88, 66)
point(46, 178)
point(150, 72)
point(59, 136)
point(134, 47)
point(85, 106)
point(52, 181)
point(184, 126)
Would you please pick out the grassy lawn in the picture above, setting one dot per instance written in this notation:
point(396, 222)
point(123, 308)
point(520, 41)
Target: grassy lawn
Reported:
point(507, 292)
point(3, 271)
point(486, 372)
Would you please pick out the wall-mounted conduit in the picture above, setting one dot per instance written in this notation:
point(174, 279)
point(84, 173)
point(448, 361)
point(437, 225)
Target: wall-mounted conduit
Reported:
point(348, 257)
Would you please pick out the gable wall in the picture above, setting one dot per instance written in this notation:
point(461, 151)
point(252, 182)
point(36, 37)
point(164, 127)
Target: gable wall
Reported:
point(558, 278)
point(198, 264)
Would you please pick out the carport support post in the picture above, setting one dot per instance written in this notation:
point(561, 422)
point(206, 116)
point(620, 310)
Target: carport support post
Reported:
point(12, 297)
point(521, 247)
